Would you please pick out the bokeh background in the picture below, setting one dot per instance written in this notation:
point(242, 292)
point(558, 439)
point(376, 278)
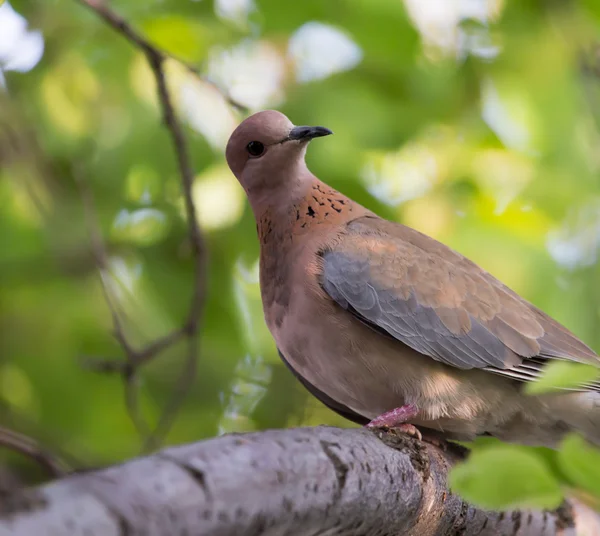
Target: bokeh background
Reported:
point(475, 121)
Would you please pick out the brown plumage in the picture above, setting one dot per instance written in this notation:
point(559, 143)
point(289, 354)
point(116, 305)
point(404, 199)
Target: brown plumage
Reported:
point(372, 316)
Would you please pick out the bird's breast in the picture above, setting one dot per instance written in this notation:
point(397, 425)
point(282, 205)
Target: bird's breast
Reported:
point(328, 348)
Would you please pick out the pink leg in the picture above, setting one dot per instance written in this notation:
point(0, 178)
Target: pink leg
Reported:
point(396, 419)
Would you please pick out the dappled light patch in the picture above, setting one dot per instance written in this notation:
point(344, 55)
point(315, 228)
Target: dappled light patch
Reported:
point(416, 168)
point(320, 50)
point(236, 11)
point(21, 48)
point(17, 390)
point(509, 115)
point(576, 241)
point(456, 27)
point(69, 94)
point(219, 198)
point(502, 174)
point(252, 72)
point(144, 226)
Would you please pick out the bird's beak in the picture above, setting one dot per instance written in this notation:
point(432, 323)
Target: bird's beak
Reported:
point(308, 133)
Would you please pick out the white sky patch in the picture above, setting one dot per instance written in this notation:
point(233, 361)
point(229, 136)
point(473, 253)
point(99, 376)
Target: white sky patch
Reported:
point(252, 73)
point(438, 22)
point(577, 241)
point(20, 49)
point(201, 104)
point(509, 116)
point(394, 178)
point(320, 50)
point(207, 111)
point(234, 10)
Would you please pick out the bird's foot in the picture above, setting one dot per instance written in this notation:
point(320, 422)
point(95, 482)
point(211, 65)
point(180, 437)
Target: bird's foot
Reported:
point(394, 417)
point(408, 429)
point(396, 420)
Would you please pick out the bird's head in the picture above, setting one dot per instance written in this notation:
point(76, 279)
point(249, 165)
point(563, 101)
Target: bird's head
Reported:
point(267, 150)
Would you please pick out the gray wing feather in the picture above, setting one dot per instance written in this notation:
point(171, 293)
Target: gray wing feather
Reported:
point(348, 282)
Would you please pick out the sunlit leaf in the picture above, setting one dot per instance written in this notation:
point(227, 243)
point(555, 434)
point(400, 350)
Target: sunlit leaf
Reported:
point(17, 389)
point(563, 375)
point(144, 226)
point(143, 184)
point(219, 199)
point(581, 463)
point(178, 35)
point(506, 477)
point(68, 92)
point(576, 242)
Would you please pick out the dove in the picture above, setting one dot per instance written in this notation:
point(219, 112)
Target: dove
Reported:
point(389, 327)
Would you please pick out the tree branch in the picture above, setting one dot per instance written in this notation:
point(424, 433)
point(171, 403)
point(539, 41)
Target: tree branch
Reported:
point(30, 448)
point(310, 481)
point(190, 328)
point(128, 369)
point(124, 28)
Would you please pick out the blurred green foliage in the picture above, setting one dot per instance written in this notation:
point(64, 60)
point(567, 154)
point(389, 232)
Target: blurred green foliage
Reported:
point(505, 477)
point(475, 122)
point(559, 375)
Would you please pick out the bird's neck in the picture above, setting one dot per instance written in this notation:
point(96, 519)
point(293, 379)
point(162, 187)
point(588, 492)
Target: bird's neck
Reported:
point(305, 216)
point(299, 208)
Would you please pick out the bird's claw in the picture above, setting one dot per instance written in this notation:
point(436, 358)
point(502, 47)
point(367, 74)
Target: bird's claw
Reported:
point(403, 428)
point(408, 429)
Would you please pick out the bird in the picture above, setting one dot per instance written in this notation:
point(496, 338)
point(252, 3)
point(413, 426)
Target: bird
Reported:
point(389, 327)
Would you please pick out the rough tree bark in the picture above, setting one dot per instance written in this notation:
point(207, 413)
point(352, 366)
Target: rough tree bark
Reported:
point(309, 481)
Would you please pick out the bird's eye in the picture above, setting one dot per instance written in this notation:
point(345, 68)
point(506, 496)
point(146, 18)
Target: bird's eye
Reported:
point(255, 148)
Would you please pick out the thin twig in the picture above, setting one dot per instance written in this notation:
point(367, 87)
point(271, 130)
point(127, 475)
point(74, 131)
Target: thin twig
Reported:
point(191, 325)
point(128, 368)
point(124, 28)
point(101, 257)
point(188, 372)
point(138, 356)
point(27, 446)
point(182, 387)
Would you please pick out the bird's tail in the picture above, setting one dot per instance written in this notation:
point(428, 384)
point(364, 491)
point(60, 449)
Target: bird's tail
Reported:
point(583, 416)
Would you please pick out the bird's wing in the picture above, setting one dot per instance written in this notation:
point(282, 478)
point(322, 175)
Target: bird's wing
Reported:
point(439, 303)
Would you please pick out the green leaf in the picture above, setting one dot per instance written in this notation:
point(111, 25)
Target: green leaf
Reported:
point(563, 375)
point(581, 463)
point(178, 36)
point(481, 443)
point(144, 226)
point(506, 477)
point(143, 184)
point(592, 6)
